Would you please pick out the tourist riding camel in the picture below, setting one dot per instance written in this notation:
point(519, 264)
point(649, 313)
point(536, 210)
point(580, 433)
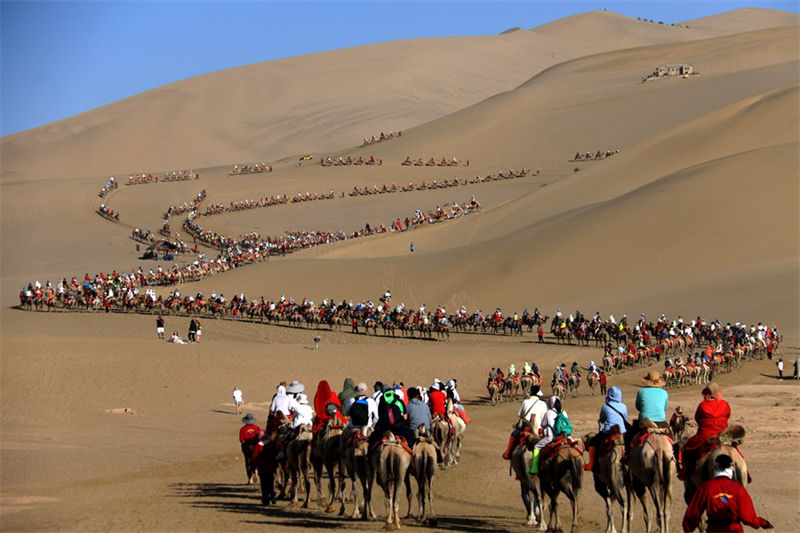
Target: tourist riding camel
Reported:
point(551, 427)
point(725, 503)
point(530, 416)
point(712, 417)
point(613, 413)
point(652, 401)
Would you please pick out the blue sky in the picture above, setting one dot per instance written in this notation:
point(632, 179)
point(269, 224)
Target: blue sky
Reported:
point(59, 59)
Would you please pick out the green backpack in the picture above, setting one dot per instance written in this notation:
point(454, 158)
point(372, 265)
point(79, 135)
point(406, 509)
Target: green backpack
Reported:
point(562, 425)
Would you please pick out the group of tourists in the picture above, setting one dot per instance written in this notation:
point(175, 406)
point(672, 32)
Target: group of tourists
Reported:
point(267, 201)
point(350, 161)
point(722, 498)
point(110, 186)
point(380, 138)
point(408, 413)
point(143, 236)
point(436, 184)
point(106, 212)
point(420, 162)
point(250, 168)
point(599, 154)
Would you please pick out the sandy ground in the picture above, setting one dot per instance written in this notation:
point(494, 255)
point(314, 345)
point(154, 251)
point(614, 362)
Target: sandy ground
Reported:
point(105, 428)
point(74, 460)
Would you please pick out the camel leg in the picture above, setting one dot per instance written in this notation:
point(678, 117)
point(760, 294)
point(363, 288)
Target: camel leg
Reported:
point(643, 498)
point(574, 502)
point(388, 498)
point(429, 512)
point(609, 514)
point(408, 492)
point(396, 502)
point(356, 510)
point(524, 489)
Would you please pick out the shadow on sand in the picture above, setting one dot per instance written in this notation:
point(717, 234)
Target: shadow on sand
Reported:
point(245, 500)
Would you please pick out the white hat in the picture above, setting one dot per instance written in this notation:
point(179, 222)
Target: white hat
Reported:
point(302, 399)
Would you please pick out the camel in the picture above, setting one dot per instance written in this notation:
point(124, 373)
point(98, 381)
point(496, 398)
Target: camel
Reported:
point(526, 381)
point(561, 473)
point(651, 467)
point(423, 468)
point(609, 482)
point(359, 467)
point(592, 381)
point(494, 393)
point(440, 431)
point(298, 457)
point(559, 390)
point(325, 455)
point(573, 383)
point(727, 443)
point(393, 462)
point(521, 458)
point(459, 427)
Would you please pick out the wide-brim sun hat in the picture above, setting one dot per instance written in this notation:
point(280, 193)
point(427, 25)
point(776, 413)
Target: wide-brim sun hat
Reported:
point(361, 388)
point(249, 419)
point(653, 379)
point(295, 387)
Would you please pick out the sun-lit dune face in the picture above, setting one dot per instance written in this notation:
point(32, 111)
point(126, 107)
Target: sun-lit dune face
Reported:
point(691, 209)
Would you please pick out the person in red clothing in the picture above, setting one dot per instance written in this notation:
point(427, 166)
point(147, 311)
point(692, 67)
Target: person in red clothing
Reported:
point(437, 400)
point(265, 461)
point(712, 417)
point(725, 502)
point(322, 398)
point(249, 435)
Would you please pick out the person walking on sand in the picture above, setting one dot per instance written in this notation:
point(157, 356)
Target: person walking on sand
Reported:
point(780, 368)
point(192, 330)
point(199, 330)
point(160, 327)
point(237, 400)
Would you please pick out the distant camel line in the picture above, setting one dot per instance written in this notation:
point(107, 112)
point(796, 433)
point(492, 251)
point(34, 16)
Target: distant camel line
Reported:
point(381, 138)
point(250, 168)
point(589, 156)
point(409, 162)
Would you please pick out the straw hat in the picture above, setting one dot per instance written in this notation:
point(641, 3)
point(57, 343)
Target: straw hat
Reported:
point(653, 379)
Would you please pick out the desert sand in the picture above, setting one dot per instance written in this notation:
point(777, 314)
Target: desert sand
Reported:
point(104, 427)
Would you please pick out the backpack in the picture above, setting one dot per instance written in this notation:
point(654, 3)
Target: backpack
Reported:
point(359, 413)
point(562, 425)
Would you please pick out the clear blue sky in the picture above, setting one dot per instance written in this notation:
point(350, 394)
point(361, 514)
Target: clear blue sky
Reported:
point(62, 58)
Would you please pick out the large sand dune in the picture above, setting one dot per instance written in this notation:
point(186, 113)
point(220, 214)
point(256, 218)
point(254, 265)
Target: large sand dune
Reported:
point(696, 214)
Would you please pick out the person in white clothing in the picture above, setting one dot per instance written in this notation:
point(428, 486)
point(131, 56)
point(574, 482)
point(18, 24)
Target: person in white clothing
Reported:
point(237, 399)
point(531, 413)
point(302, 413)
point(280, 402)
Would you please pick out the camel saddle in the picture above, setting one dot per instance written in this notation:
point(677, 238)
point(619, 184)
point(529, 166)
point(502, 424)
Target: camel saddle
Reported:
point(396, 441)
point(552, 448)
point(648, 427)
point(609, 442)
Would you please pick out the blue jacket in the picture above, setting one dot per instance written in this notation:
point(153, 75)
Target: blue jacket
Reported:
point(651, 403)
point(610, 418)
point(418, 414)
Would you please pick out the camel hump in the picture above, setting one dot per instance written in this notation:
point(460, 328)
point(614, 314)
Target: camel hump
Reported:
point(734, 433)
point(646, 423)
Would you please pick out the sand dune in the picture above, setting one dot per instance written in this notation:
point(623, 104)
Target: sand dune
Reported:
point(106, 428)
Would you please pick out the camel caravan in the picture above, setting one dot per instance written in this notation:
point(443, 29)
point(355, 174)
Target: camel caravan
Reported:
point(638, 459)
point(110, 186)
point(432, 162)
point(355, 438)
point(250, 168)
point(594, 156)
point(350, 161)
point(435, 184)
point(166, 177)
point(380, 138)
point(108, 213)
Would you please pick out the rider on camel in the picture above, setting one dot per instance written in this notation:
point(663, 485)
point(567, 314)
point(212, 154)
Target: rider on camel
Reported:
point(551, 429)
point(531, 413)
point(651, 402)
point(322, 399)
point(614, 413)
point(712, 418)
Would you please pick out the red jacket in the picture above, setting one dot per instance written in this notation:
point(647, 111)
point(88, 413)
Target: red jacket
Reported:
point(712, 417)
point(727, 505)
point(437, 399)
point(249, 433)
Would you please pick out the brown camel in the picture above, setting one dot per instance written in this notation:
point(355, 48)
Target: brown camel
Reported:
point(459, 427)
point(609, 481)
point(727, 443)
point(393, 463)
point(325, 455)
point(298, 457)
point(359, 469)
point(562, 473)
point(528, 483)
point(651, 467)
point(423, 468)
point(494, 393)
point(592, 380)
point(440, 431)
